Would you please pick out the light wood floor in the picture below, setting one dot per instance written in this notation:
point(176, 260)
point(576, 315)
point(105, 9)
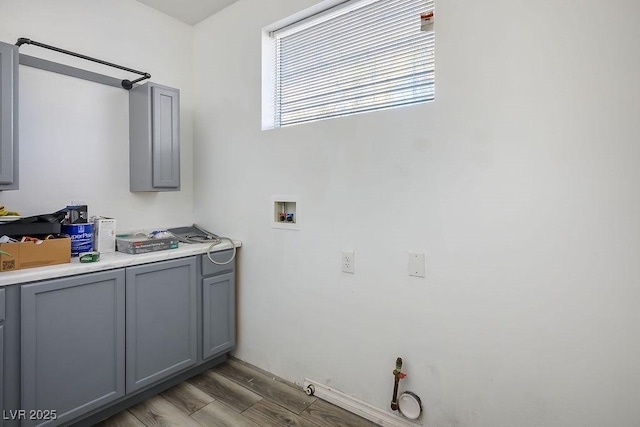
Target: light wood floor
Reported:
point(235, 394)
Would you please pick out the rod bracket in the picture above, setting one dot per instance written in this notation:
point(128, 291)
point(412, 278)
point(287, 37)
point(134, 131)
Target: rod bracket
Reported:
point(128, 84)
point(22, 41)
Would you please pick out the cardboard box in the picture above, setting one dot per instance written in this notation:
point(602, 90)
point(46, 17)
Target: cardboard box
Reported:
point(30, 254)
point(104, 235)
point(141, 245)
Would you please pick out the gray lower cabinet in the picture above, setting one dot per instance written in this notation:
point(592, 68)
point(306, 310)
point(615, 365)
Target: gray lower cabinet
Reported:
point(218, 314)
point(154, 138)
point(1, 373)
point(8, 117)
point(95, 340)
point(218, 304)
point(73, 345)
point(161, 312)
point(2, 310)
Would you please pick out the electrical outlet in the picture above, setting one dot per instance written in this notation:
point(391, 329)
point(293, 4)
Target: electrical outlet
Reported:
point(348, 262)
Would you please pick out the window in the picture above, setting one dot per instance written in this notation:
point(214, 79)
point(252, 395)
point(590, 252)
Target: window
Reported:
point(358, 56)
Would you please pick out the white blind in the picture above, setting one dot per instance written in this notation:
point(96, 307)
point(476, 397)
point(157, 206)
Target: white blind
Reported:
point(370, 58)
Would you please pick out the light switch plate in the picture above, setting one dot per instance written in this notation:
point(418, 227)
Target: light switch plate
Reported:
point(416, 264)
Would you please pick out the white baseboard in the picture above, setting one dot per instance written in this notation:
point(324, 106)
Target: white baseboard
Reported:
point(357, 406)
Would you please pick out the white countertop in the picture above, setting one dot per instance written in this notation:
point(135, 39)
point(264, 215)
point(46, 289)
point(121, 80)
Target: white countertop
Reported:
point(107, 262)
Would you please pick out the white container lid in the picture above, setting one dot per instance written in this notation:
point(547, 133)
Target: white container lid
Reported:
point(410, 405)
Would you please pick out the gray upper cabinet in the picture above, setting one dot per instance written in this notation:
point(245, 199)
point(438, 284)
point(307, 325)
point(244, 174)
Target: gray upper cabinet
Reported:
point(8, 117)
point(73, 344)
point(154, 138)
point(161, 321)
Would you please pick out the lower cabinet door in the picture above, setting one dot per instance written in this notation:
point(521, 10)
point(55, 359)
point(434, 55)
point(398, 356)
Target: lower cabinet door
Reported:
point(1, 374)
point(218, 314)
point(161, 321)
point(73, 344)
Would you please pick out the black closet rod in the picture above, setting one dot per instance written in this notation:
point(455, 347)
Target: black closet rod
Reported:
point(127, 84)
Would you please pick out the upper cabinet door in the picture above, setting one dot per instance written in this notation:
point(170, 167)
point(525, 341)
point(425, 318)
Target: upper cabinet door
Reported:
point(8, 117)
point(154, 138)
point(166, 134)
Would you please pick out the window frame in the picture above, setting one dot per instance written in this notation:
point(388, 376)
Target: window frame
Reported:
point(309, 18)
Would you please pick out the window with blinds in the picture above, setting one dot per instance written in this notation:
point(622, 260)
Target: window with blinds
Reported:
point(355, 57)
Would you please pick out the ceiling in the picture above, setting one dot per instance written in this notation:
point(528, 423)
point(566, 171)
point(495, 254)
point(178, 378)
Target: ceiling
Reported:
point(189, 11)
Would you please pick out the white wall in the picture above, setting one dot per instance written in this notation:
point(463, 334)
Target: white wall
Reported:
point(74, 134)
point(519, 183)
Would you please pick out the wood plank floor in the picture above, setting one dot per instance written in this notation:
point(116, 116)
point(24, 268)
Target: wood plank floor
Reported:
point(235, 394)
